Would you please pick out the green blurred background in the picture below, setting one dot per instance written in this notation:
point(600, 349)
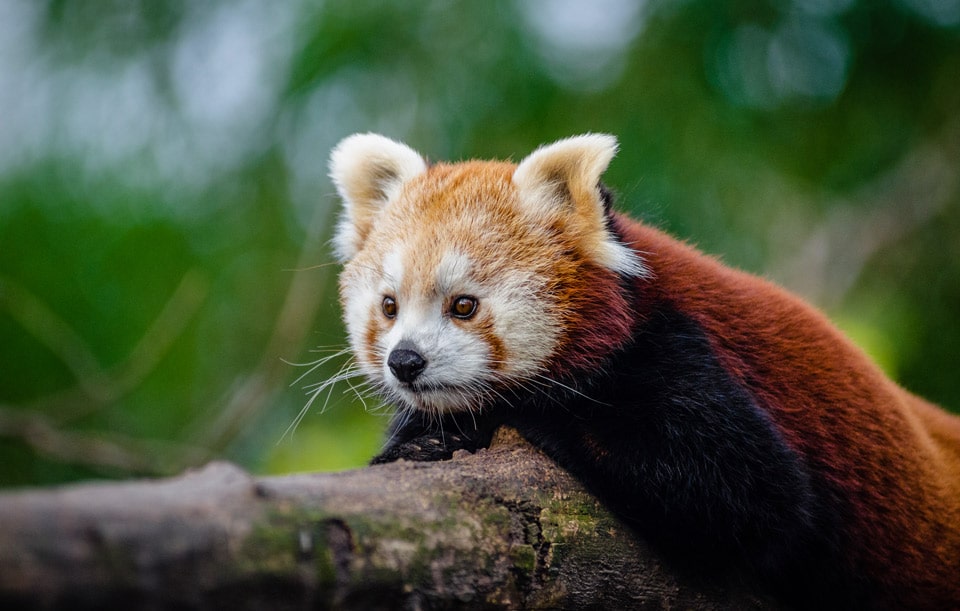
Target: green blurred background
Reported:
point(165, 210)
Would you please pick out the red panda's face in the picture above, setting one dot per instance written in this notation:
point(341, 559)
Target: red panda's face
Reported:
point(457, 282)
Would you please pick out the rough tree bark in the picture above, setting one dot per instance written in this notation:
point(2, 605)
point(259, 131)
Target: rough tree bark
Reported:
point(504, 528)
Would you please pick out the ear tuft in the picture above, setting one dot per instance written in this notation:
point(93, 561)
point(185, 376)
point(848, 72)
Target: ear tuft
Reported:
point(562, 180)
point(573, 163)
point(368, 171)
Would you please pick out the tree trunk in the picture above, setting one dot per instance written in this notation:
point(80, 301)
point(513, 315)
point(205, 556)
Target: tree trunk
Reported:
point(503, 528)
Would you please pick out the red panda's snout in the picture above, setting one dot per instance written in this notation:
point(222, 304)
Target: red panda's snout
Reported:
point(422, 355)
point(405, 363)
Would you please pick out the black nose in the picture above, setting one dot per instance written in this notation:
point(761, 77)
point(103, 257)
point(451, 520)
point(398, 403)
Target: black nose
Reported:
point(405, 363)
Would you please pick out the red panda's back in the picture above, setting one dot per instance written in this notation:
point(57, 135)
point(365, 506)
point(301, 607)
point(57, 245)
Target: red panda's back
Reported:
point(892, 459)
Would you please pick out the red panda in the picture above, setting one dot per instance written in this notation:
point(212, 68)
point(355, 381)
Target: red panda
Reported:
point(722, 418)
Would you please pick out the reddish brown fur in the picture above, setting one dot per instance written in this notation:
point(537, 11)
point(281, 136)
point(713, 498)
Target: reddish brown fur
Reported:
point(486, 332)
point(891, 459)
point(376, 325)
point(887, 462)
point(894, 456)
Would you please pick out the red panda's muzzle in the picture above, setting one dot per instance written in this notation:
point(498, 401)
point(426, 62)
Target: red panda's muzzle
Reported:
point(405, 363)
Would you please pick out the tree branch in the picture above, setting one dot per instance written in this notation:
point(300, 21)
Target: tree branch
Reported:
point(504, 528)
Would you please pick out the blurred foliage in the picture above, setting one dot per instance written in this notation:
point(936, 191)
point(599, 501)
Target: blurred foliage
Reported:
point(164, 208)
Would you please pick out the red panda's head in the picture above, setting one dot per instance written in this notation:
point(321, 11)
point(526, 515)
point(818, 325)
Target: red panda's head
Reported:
point(465, 282)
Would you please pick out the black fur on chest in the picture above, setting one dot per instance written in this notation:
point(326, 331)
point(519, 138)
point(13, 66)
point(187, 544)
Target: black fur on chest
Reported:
point(682, 453)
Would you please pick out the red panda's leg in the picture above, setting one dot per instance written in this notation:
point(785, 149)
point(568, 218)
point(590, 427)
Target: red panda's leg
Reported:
point(416, 436)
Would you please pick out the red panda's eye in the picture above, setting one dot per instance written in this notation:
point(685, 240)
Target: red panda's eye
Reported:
point(389, 307)
point(463, 307)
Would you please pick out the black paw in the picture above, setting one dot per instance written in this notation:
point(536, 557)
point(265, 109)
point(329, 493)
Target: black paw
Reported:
point(425, 448)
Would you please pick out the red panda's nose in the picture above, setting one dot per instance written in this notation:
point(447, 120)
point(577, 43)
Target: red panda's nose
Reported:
point(405, 362)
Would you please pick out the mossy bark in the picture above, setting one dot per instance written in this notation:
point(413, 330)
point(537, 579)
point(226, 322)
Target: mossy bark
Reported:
point(504, 528)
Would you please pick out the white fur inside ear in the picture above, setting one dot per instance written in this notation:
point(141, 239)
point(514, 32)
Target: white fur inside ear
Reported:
point(563, 179)
point(578, 161)
point(368, 171)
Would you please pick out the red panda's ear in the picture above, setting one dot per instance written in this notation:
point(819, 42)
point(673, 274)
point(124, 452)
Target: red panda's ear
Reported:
point(562, 181)
point(368, 171)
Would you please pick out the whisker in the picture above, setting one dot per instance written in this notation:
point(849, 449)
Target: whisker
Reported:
point(299, 417)
point(348, 372)
point(314, 365)
point(568, 388)
point(404, 416)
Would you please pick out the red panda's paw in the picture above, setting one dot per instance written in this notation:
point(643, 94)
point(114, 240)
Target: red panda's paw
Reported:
point(425, 448)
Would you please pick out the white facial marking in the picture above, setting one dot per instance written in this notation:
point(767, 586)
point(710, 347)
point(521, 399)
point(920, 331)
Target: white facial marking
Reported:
point(528, 332)
point(457, 360)
point(392, 273)
point(453, 274)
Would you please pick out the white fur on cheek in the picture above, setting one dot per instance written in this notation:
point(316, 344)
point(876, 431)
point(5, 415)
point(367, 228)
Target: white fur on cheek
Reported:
point(358, 293)
point(363, 285)
point(528, 334)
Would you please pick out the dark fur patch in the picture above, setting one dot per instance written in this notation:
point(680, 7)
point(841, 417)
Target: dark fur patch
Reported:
point(681, 452)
